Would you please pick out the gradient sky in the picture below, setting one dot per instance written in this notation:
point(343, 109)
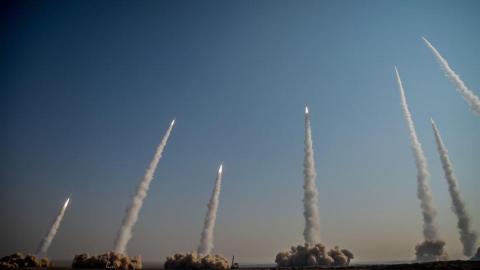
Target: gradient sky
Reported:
point(87, 89)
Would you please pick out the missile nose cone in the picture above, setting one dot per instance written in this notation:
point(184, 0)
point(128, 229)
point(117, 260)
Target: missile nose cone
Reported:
point(220, 169)
point(306, 109)
point(173, 122)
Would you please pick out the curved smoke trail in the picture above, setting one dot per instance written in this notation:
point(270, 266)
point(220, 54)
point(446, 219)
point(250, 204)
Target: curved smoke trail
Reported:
point(430, 231)
point(47, 240)
point(467, 236)
point(125, 232)
point(469, 96)
point(206, 241)
point(311, 233)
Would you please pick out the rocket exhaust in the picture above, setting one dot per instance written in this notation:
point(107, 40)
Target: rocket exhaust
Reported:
point(206, 241)
point(311, 233)
point(47, 240)
point(131, 217)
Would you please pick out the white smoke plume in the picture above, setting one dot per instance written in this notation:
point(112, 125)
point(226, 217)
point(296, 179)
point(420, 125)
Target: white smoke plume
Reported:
point(47, 240)
point(206, 241)
point(469, 96)
point(430, 231)
point(432, 248)
point(467, 236)
point(125, 232)
point(311, 233)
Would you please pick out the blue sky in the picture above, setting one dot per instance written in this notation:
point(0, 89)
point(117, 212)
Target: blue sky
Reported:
point(87, 89)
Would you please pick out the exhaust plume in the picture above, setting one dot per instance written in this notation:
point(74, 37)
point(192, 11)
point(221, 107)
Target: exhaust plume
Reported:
point(47, 240)
point(311, 233)
point(125, 232)
point(432, 248)
point(206, 241)
point(430, 231)
point(467, 236)
point(469, 96)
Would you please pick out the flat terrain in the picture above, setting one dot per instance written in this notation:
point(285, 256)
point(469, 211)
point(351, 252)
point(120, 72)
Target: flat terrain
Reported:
point(447, 265)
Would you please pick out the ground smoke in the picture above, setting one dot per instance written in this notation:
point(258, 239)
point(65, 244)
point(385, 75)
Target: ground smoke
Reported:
point(316, 255)
point(21, 261)
point(431, 250)
point(109, 260)
point(196, 261)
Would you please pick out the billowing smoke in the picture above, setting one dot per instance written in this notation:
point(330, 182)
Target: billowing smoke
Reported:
point(430, 231)
point(431, 250)
point(477, 256)
point(202, 259)
point(47, 240)
point(311, 233)
point(206, 241)
point(467, 236)
point(125, 232)
point(109, 260)
point(21, 261)
point(196, 261)
point(469, 96)
point(313, 255)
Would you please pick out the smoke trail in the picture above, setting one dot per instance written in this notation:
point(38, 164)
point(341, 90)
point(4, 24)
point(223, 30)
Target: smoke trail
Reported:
point(47, 240)
point(206, 241)
point(467, 236)
point(310, 200)
point(469, 96)
point(125, 232)
point(430, 231)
